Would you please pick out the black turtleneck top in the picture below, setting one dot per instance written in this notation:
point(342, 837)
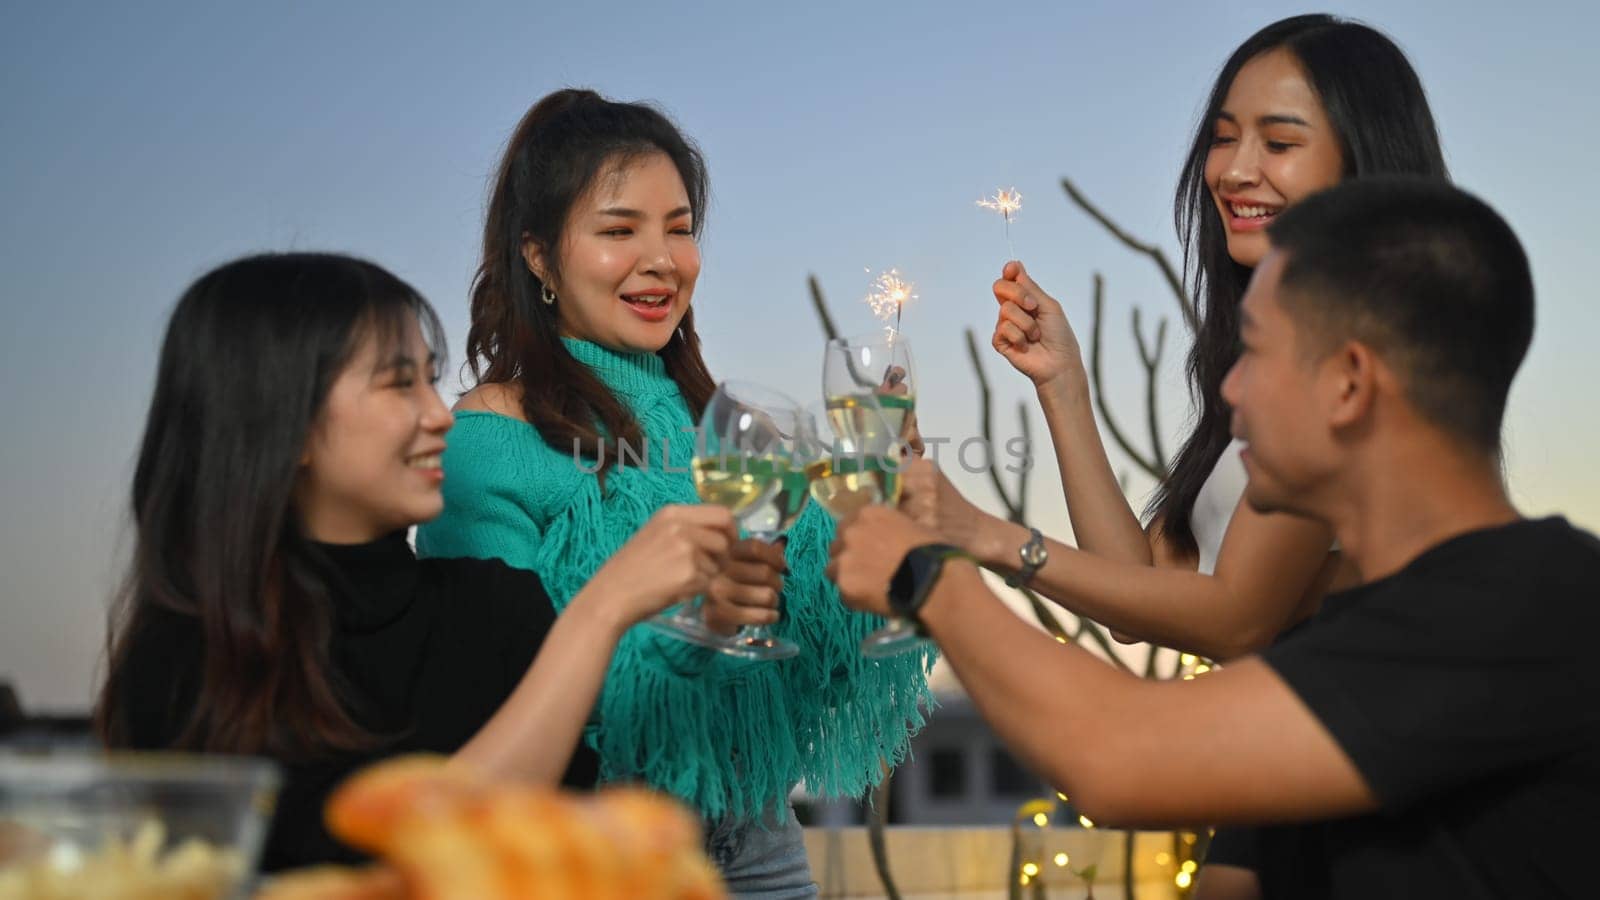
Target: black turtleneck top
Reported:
point(427, 651)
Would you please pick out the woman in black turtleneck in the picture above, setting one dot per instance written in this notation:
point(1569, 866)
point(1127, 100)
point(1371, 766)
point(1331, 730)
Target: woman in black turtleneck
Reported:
point(274, 607)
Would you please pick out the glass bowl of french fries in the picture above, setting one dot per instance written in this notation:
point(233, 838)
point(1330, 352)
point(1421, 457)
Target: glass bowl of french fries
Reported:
point(131, 826)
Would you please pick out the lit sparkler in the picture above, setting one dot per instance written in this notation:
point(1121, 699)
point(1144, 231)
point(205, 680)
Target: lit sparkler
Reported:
point(1005, 203)
point(888, 297)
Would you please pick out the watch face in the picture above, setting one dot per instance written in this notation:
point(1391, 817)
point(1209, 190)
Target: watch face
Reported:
point(1033, 552)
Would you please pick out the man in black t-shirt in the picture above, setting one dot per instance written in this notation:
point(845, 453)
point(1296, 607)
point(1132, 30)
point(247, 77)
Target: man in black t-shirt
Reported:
point(1435, 731)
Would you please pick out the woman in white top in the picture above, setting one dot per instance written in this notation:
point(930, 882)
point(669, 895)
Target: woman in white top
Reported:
point(1299, 106)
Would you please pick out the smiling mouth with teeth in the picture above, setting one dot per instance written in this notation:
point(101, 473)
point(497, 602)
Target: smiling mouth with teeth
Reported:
point(647, 299)
point(1252, 212)
point(430, 461)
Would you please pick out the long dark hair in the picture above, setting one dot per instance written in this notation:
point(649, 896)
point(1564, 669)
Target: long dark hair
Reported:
point(1380, 114)
point(249, 357)
point(558, 149)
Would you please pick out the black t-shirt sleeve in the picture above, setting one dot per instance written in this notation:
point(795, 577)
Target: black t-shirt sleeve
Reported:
point(521, 614)
point(1434, 679)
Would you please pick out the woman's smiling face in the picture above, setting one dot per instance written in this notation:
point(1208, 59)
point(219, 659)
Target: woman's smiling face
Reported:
point(1272, 146)
point(629, 259)
point(373, 463)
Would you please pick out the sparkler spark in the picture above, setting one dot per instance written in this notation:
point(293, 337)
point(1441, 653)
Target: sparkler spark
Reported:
point(1005, 202)
point(888, 296)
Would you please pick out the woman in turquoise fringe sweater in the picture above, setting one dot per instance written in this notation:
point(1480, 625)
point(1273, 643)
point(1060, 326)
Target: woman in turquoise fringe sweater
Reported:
point(582, 337)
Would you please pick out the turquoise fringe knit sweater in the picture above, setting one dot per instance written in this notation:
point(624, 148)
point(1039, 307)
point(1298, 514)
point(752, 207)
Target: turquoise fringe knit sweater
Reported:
point(728, 736)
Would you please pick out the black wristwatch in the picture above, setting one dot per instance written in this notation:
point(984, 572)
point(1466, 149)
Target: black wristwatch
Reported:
point(1033, 555)
point(914, 580)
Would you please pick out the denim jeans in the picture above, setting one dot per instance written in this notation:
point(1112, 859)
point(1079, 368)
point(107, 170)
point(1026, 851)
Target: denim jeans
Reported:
point(762, 861)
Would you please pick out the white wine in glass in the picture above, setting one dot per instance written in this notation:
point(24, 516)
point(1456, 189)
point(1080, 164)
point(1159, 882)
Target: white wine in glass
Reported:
point(846, 484)
point(738, 484)
point(749, 466)
point(875, 365)
point(735, 466)
point(886, 424)
point(863, 469)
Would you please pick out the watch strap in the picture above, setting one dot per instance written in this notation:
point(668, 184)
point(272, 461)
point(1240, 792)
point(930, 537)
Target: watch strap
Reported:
point(922, 574)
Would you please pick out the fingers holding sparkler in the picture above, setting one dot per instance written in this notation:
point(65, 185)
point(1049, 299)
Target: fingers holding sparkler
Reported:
point(1031, 329)
point(1016, 286)
point(1023, 323)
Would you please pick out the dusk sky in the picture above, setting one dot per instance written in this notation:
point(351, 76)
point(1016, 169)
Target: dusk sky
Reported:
point(146, 143)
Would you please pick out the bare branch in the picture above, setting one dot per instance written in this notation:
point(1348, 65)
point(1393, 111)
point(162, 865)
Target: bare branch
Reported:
point(1151, 359)
point(1138, 340)
point(1027, 460)
point(1190, 317)
point(985, 403)
point(1155, 426)
point(875, 824)
point(1056, 630)
point(1150, 468)
point(821, 306)
point(1128, 885)
point(1100, 638)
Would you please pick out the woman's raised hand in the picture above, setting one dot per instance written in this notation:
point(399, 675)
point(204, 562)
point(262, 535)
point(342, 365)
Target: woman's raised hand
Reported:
point(675, 556)
point(1032, 331)
point(746, 591)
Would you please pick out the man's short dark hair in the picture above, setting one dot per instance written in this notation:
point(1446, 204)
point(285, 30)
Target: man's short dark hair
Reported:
point(1426, 274)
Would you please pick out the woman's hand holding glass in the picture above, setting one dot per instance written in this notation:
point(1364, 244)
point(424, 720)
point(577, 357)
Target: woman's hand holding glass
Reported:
point(678, 554)
point(762, 430)
point(746, 592)
point(742, 463)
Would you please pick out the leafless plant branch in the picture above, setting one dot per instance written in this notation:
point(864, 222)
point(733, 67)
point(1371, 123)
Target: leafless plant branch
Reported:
point(820, 304)
point(1190, 316)
point(1149, 466)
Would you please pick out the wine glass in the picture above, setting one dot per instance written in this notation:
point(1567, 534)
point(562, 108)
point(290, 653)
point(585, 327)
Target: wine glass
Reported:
point(879, 365)
point(781, 448)
point(862, 469)
point(740, 463)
